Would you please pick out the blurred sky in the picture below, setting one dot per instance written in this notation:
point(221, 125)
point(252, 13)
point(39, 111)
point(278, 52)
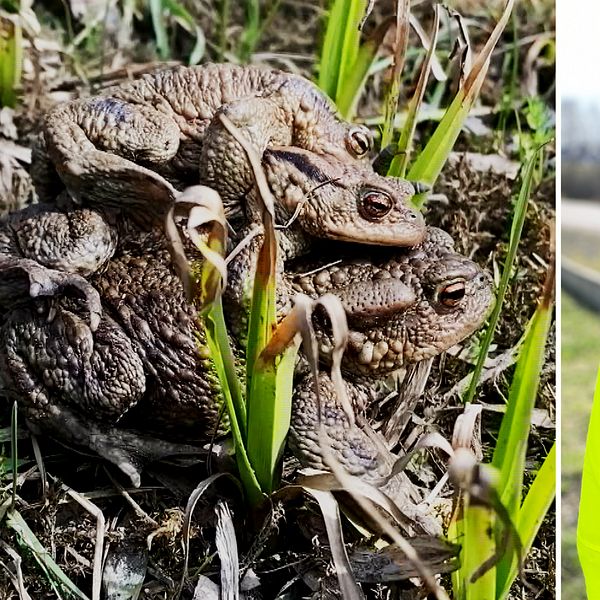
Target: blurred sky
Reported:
point(578, 23)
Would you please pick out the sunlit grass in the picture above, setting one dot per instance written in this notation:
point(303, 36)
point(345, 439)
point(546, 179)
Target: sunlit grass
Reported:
point(11, 53)
point(343, 67)
point(344, 61)
point(514, 523)
point(580, 353)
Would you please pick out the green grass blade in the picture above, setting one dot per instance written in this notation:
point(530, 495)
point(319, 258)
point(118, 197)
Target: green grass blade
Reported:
point(340, 45)
point(158, 10)
point(222, 354)
point(352, 86)
point(263, 310)
point(270, 414)
point(269, 409)
point(263, 317)
point(268, 396)
point(14, 452)
point(430, 161)
point(213, 272)
point(456, 534)
point(400, 161)
point(349, 89)
point(252, 30)
point(220, 350)
point(511, 447)
point(11, 57)
point(509, 454)
point(56, 577)
point(205, 211)
point(224, 14)
point(515, 237)
point(187, 22)
point(533, 510)
point(160, 29)
point(331, 52)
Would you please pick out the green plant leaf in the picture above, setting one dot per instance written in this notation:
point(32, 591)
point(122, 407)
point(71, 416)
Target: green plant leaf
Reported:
point(340, 45)
point(270, 413)
point(61, 584)
point(352, 86)
point(515, 237)
point(160, 29)
point(14, 453)
point(185, 19)
point(158, 11)
point(252, 30)
point(533, 510)
point(268, 378)
point(478, 544)
point(430, 161)
point(206, 212)
point(511, 447)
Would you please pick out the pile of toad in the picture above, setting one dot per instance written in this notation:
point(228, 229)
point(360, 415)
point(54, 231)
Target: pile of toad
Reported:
point(98, 343)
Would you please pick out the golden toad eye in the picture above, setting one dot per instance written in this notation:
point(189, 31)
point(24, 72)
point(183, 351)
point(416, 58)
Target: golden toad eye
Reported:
point(374, 205)
point(358, 141)
point(452, 294)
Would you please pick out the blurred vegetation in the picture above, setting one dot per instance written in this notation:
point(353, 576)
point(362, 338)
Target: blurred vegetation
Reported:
point(580, 353)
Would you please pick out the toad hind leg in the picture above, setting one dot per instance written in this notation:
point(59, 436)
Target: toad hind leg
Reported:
point(75, 385)
point(127, 449)
point(21, 278)
point(61, 362)
point(359, 449)
point(59, 370)
point(94, 144)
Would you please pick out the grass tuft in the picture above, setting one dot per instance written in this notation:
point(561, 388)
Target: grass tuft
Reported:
point(160, 11)
point(498, 522)
point(11, 54)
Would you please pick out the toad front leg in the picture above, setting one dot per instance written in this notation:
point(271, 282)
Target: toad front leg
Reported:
point(45, 250)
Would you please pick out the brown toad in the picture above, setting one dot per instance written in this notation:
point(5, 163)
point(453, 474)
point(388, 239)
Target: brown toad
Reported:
point(121, 148)
point(82, 241)
point(146, 369)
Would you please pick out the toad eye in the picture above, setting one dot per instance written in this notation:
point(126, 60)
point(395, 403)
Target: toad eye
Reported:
point(452, 294)
point(358, 141)
point(373, 205)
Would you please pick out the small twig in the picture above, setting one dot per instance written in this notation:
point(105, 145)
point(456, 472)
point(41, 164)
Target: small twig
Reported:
point(39, 459)
point(100, 531)
point(139, 511)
